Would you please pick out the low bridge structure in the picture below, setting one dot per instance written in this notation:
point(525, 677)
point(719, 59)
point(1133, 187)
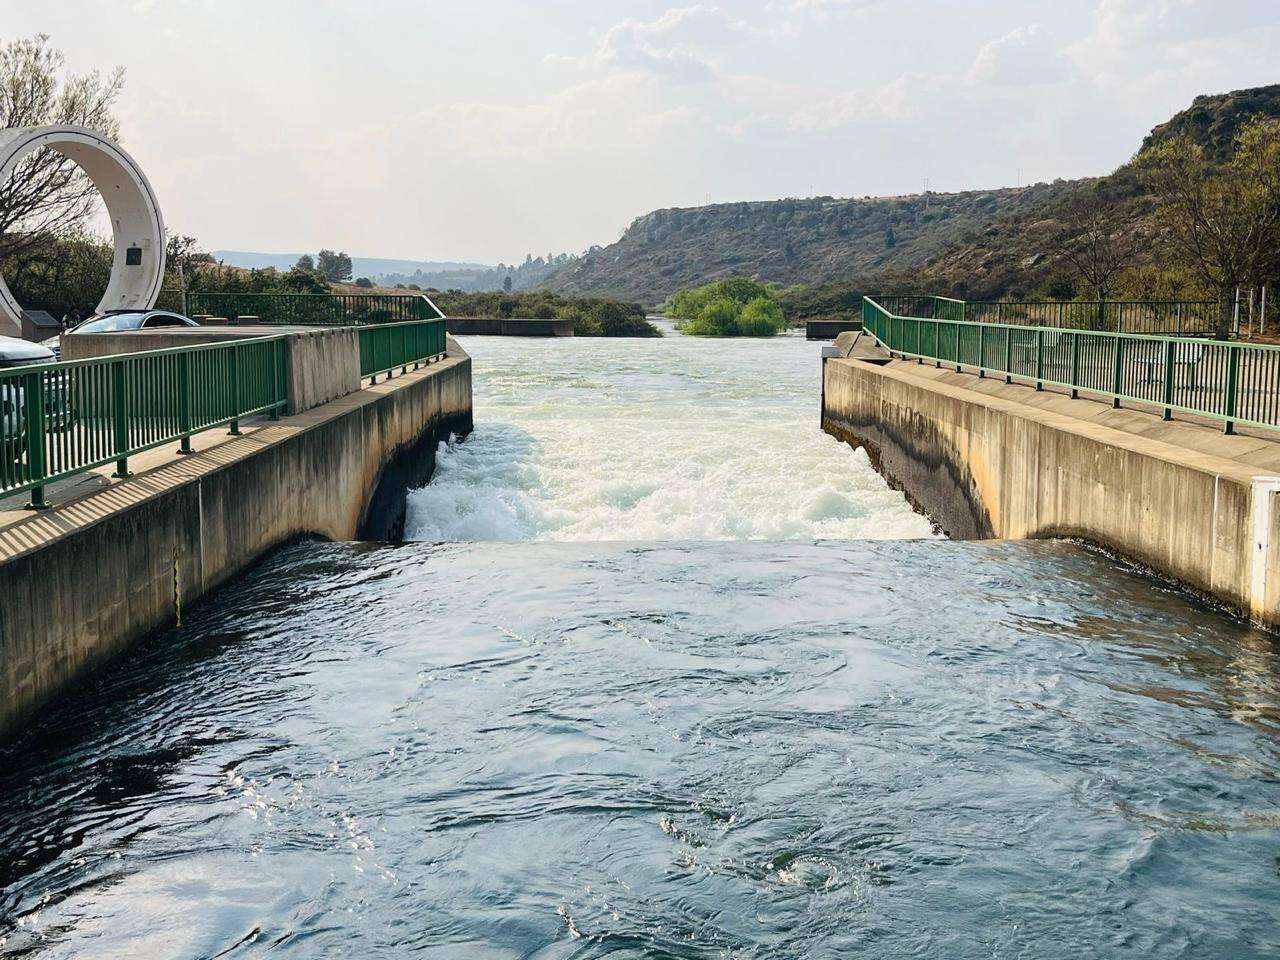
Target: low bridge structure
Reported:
point(1165, 450)
point(164, 472)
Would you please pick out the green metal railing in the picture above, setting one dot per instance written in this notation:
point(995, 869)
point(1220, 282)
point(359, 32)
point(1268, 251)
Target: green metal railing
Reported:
point(1225, 380)
point(59, 419)
point(314, 309)
point(1165, 317)
point(386, 346)
point(1176, 317)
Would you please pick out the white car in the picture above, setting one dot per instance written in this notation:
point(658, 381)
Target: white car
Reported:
point(119, 321)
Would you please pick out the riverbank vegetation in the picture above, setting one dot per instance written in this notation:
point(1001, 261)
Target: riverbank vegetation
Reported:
point(733, 307)
point(591, 316)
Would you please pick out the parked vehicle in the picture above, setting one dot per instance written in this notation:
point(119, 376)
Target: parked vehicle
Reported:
point(21, 353)
point(121, 321)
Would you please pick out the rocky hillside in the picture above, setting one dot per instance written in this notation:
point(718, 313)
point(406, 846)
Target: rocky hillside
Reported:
point(980, 243)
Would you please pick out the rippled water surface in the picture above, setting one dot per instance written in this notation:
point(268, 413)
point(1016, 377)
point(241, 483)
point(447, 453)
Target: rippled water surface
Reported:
point(662, 748)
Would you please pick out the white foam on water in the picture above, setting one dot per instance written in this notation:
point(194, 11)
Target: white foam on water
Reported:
point(682, 438)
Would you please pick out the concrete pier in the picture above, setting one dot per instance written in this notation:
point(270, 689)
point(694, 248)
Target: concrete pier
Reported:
point(830, 329)
point(114, 560)
point(987, 459)
point(508, 327)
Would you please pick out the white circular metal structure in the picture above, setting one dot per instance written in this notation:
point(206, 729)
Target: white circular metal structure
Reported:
point(137, 269)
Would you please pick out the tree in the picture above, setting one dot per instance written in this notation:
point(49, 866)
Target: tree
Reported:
point(364, 283)
point(304, 281)
point(182, 255)
point(1099, 242)
point(334, 266)
point(305, 263)
point(1224, 220)
point(48, 194)
point(506, 284)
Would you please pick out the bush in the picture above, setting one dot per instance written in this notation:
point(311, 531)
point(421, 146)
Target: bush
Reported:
point(719, 318)
point(733, 307)
point(762, 317)
point(591, 316)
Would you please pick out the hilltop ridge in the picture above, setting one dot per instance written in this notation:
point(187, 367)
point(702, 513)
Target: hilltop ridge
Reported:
point(986, 243)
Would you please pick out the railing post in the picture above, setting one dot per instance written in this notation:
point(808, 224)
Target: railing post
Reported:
point(1168, 379)
point(956, 355)
point(1075, 366)
point(184, 401)
point(1118, 378)
point(278, 377)
point(234, 371)
point(1233, 369)
point(982, 351)
point(33, 408)
point(120, 417)
point(1008, 354)
point(1039, 359)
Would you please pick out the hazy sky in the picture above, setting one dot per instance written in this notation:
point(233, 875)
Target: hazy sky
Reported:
point(487, 129)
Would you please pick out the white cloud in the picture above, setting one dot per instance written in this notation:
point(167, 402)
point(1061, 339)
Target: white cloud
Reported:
point(1022, 57)
point(680, 45)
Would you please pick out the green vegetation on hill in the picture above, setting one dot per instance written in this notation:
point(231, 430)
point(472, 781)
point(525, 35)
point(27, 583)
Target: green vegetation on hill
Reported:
point(591, 316)
point(981, 245)
point(733, 307)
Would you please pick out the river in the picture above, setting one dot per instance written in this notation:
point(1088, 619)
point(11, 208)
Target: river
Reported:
point(667, 674)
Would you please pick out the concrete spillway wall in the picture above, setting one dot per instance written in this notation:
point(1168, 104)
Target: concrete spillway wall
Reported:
point(80, 582)
point(982, 465)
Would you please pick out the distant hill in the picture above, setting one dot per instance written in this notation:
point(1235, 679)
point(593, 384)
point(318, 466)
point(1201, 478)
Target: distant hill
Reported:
point(982, 243)
point(372, 267)
point(788, 241)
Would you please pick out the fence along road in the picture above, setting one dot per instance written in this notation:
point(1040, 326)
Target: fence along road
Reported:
point(1228, 381)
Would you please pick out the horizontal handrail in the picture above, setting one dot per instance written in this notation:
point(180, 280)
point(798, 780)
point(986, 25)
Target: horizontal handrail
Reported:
point(1224, 380)
point(1118, 316)
point(389, 345)
point(60, 419)
point(315, 309)
point(1176, 317)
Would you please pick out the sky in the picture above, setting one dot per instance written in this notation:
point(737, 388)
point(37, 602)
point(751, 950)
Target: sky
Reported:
point(484, 130)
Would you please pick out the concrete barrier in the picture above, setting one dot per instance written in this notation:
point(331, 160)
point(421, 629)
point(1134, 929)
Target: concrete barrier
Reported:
point(83, 580)
point(830, 329)
point(983, 459)
point(508, 327)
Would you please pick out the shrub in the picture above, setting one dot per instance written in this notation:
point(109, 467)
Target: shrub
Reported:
point(719, 318)
point(761, 317)
point(733, 307)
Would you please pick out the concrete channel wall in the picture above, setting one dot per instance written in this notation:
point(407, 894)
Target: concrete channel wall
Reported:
point(83, 580)
point(983, 465)
point(513, 327)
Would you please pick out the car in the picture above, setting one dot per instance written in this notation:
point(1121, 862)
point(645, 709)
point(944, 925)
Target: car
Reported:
point(20, 353)
point(120, 321)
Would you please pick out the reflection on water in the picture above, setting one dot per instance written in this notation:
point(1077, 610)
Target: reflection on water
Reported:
point(899, 749)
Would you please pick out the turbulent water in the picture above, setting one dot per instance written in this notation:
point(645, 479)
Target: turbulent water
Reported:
point(671, 439)
point(662, 749)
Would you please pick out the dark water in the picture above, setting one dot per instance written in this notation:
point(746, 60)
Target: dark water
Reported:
point(911, 749)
